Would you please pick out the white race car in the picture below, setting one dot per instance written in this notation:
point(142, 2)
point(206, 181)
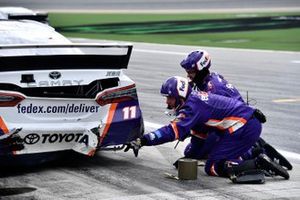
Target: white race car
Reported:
point(62, 96)
point(18, 13)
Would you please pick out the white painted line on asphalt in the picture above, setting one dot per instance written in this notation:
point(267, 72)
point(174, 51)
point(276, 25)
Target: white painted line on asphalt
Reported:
point(295, 61)
point(156, 45)
point(287, 154)
point(286, 100)
point(160, 52)
point(153, 125)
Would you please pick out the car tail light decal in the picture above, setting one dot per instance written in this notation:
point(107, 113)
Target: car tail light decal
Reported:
point(10, 99)
point(110, 117)
point(116, 95)
point(3, 127)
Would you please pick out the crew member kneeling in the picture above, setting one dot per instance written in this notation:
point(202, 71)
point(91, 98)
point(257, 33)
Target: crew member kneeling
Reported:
point(233, 120)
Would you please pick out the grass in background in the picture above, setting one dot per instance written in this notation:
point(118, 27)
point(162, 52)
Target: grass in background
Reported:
point(275, 39)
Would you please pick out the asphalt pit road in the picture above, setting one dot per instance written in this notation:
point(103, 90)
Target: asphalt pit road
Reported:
point(14, 191)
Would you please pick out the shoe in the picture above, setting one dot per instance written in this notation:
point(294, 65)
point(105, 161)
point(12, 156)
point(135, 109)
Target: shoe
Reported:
point(265, 163)
point(277, 157)
point(262, 146)
point(249, 177)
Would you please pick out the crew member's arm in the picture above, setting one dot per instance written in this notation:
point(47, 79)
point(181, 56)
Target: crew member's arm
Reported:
point(178, 129)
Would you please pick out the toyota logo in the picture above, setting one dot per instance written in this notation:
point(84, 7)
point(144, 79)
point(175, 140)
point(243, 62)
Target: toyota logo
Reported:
point(55, 75)
point(31, 138)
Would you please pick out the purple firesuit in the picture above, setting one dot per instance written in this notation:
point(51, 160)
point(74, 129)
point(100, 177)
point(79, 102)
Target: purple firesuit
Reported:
point(237, 128)
point(202, 143)
point(216, 84)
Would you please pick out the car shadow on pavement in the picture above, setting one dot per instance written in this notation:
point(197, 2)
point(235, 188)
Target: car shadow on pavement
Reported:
point(15, 190)
point(66, 160)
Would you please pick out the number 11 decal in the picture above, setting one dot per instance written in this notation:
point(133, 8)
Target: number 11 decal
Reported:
point(129, 112)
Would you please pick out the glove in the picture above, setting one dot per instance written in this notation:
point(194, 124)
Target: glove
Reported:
point(135, 145)
point(260, 116)
point(11, 143)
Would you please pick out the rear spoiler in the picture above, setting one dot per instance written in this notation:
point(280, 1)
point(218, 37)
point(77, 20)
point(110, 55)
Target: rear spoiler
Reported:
point(40, 17)
point(78, 60)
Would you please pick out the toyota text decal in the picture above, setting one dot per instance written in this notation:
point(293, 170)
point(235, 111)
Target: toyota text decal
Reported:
point(34, 138)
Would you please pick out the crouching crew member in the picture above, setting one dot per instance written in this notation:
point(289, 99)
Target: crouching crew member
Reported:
point(233, 120)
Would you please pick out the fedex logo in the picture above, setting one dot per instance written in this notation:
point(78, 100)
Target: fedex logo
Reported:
point(204, 61)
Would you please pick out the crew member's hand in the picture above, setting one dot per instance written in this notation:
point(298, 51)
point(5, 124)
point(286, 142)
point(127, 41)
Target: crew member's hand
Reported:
point(135, 145)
